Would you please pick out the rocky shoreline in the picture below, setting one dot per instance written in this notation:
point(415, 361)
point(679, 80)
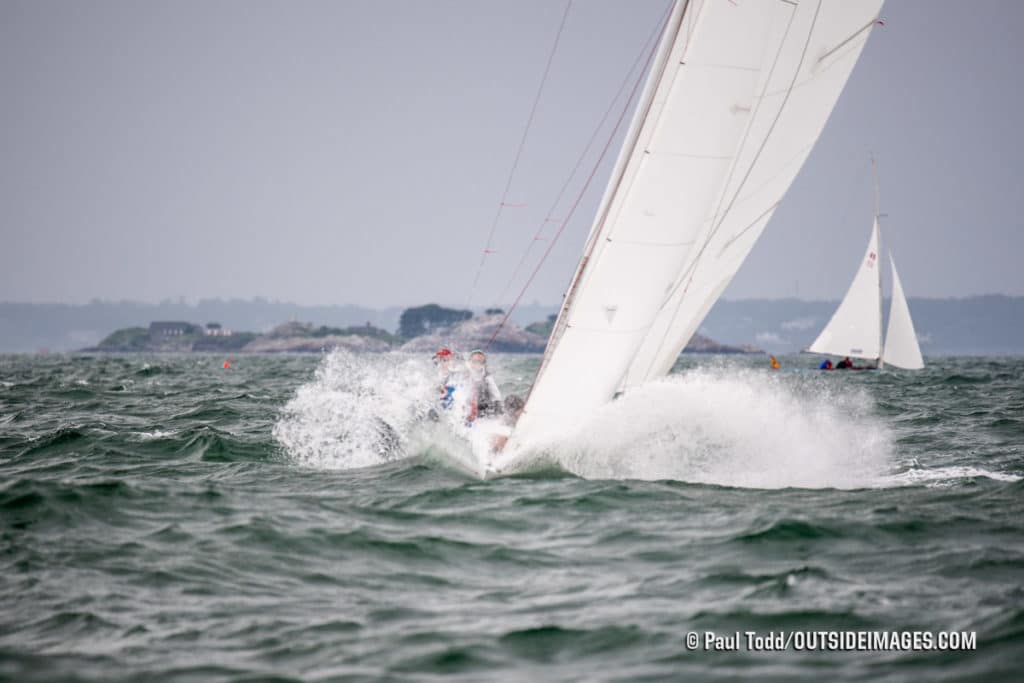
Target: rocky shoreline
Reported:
point(294, 337)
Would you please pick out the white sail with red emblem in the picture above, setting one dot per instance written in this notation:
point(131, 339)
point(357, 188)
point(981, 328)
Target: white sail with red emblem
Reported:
point(855, 329)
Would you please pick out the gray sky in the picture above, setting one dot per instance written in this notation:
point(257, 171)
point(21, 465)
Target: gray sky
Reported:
point(355, 151)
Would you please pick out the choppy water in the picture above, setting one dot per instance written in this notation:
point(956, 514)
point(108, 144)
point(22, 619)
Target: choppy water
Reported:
point(164, 518)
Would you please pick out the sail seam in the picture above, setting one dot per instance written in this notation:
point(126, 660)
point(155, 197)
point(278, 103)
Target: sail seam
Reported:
point(719, 215)
point(726, 67)
point(687, 155)
point(838, 47)
point(605, 330)
point(688, 276)
point(766, 212)
point(642, 243)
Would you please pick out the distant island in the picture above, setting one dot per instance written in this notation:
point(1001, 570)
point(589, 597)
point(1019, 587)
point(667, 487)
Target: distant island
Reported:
point(422, 329)
point(975, 325)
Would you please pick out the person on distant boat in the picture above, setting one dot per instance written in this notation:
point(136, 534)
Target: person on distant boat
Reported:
point(825, 364)
point(847, 364)
point(484, 397)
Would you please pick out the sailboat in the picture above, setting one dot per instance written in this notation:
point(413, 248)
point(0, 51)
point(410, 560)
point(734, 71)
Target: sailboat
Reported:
point(855, 329)
point(736, 96)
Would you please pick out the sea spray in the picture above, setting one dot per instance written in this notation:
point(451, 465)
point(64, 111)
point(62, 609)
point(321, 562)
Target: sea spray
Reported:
point(718, 424)
point(358, 411)
point(364, 410)
point(735, 428)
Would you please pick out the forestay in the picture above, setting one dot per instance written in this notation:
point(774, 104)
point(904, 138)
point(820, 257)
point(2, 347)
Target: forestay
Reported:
point(737, 94)
point(855, 329)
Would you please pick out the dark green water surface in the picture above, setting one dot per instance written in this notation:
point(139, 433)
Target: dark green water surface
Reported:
point(165, 519)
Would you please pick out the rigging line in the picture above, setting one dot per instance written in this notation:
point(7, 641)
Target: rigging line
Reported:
point(579, 162)
point(746, 176)
point(583, 190)
point(629, 145)
point(519, 152)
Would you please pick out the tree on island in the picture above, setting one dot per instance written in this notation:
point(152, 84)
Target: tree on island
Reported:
point(421, 320)
point(543, 328)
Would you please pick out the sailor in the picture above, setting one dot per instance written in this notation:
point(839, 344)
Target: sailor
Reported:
point(826, 364)
point(844, 364)
point(484, 397)
point(444, 359)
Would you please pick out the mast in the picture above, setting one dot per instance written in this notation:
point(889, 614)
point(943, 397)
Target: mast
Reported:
point(878, 267)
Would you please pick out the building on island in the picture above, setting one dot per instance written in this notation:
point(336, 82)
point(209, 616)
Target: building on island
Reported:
point(216, 330)
point(162, 330)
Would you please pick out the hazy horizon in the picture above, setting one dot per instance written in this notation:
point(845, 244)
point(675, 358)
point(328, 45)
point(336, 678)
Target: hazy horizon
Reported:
point(179, 301)
point(333, 153)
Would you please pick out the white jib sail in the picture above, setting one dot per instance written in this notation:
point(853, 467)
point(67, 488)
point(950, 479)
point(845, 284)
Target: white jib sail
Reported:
point(855, 329)
point(736, 97)
point(901, 347)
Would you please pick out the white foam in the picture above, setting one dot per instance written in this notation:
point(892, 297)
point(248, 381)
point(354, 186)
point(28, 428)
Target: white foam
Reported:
point(334, 421)
point(717, 425)
point(155, 434)
point(946, 476)
point(734, 427)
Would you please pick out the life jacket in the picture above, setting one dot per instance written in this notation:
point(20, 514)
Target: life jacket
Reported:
point(447, 397)
point(446, 390)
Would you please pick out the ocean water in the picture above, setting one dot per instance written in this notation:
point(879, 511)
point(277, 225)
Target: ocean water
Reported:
point(163, 518)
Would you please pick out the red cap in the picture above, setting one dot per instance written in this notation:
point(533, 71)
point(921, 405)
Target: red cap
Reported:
point(443, 353)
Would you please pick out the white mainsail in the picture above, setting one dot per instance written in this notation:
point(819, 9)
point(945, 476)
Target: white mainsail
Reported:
point(736, 97)
point(855, 329)
point(901, 347)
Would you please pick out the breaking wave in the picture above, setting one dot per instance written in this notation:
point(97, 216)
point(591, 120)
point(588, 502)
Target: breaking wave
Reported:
point(717, 425)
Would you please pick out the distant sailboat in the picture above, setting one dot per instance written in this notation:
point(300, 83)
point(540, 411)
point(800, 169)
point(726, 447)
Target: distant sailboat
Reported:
point(736, 96)
point(855, 329)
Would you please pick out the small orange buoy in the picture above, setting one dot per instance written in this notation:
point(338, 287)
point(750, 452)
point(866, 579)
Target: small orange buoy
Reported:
point(774, 362)
point(227, 364)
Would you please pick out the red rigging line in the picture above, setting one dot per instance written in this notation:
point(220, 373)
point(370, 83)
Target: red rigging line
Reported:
point(583, 191)
point(519, 152)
